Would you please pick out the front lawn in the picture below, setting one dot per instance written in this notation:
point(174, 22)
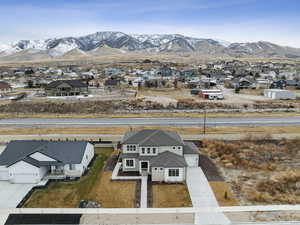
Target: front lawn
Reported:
point(95, 186)
point(223, 193)
point(171, 195)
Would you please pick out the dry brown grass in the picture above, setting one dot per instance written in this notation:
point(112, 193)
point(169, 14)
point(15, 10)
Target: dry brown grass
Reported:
point(114, 194)
point(148, 115)
point(171, 195)
point(96, 186)
point(219, 189)
point(122, 130)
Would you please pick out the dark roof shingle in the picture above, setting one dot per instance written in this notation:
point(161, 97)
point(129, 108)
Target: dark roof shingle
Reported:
point(65, 152)
point(150, 137)
point(72, 83)
point(168, 160)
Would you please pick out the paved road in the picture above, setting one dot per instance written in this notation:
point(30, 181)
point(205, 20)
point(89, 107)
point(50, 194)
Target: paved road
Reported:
point(108, 122)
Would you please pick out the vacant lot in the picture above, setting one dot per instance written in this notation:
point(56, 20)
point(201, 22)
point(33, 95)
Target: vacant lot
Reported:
point(260, 170)
point(96, 186)
point(170, 195)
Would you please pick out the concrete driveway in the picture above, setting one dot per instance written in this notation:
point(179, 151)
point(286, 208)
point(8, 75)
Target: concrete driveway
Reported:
point(202, 196)
point(12, 194)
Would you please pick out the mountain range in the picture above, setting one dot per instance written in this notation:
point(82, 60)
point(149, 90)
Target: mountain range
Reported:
point(118, 43)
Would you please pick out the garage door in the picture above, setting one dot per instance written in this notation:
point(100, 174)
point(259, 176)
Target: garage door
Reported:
point(192, 160)
point(25, 178)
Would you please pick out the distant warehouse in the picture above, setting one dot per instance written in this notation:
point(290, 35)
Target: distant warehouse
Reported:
point(280, 94)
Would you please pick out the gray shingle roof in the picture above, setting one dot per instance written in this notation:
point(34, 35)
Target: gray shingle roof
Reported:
point(153, 138)
point(65, 152)
point(168, 160)
point(190, 148)
point(72, 83)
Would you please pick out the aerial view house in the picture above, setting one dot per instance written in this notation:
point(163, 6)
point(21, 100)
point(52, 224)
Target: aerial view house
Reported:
point(66, 88)
point(159, 153)
point(32, 161)
point(4, 87)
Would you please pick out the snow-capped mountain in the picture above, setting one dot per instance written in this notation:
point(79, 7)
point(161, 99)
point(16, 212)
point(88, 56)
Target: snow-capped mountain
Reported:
point(118, 42)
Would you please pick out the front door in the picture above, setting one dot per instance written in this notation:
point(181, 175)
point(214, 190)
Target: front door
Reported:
point(144, 167)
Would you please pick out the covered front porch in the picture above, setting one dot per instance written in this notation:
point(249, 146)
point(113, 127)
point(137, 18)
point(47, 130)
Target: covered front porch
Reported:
point(55, 172)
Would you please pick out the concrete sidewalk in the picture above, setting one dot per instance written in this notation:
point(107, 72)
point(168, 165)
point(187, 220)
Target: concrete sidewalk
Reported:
point(202, 196)
point(144, 193)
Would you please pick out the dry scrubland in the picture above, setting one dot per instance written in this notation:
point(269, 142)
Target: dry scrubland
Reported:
point(94, 108)
point(260, 171)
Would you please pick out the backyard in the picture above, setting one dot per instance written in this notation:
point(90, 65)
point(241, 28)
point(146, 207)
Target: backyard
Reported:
point(95, 185)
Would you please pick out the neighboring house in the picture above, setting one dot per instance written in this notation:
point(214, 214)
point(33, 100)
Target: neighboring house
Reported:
point(112, 83)
point(244, 83)
point(159, 153)
point(31, 161)
point(66, 88)
point(263, 83)
point(4, 87)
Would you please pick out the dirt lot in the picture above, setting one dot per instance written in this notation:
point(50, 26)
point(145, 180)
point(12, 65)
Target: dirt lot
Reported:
point(96, 186)
point(158, 99)
point(170, 195)
point(260, 171)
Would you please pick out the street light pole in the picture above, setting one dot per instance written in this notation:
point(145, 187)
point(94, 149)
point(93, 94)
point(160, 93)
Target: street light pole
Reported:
point(204, 122)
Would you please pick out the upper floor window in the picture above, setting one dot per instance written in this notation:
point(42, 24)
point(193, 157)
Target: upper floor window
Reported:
point(143, 150)
point(131, 148)
point(154, 150)
point(148, 150)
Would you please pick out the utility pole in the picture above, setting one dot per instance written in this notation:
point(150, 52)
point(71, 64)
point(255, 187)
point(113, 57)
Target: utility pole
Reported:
point(204, 122)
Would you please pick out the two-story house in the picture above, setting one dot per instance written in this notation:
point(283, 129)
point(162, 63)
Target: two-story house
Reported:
point(159, 153)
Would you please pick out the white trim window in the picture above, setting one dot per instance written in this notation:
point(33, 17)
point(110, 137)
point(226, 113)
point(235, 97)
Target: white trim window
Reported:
point(131, 148)
point(129, 163)
point(173, 173)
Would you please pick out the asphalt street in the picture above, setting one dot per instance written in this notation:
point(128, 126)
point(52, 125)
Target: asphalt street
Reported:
point(109, 122)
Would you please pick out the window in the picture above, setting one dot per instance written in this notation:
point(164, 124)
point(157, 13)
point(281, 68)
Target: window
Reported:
point(143, 150)
point(173, 147)
point(155, 168)
point(148, 150)
point(173, 172)
point(72, 166)
point(131, 148)
point(161, 168)
point(129, 163)
point(154, 150)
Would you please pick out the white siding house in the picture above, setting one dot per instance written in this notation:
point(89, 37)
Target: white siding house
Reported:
point(31, 161)
point(159, 153)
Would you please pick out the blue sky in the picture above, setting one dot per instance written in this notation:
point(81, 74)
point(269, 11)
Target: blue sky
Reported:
point(277, 21)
